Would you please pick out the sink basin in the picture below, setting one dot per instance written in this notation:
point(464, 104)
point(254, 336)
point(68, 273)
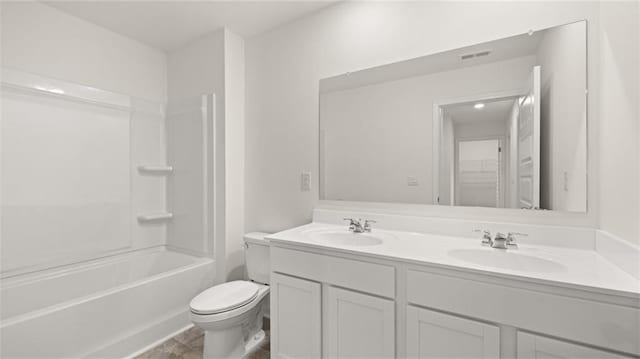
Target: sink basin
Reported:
point(506, 259)
point(347, 238)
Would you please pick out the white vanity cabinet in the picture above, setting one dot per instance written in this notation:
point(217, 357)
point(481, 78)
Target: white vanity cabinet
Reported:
point(296, 310)
point(350, 303)
point(332, 304)
point(531, 346)
point(432, 335)
point(359, 325)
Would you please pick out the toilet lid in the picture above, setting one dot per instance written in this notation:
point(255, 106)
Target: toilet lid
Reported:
point(224, 297)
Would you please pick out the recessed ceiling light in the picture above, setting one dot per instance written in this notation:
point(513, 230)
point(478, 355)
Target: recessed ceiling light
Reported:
point(478, 106)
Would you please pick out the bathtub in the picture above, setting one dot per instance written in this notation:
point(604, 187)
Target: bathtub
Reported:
point(108, 308)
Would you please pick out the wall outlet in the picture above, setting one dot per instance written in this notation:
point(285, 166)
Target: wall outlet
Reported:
point(305, 181)
point(412, 181)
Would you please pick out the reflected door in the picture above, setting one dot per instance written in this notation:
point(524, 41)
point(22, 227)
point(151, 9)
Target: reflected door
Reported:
point(478, 173)
point(529, 143)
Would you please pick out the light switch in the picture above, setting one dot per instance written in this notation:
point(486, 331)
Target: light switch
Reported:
point(305, 181)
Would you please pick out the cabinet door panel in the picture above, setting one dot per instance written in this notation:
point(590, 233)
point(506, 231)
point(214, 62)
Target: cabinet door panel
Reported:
point(531, 346)
point(434, 335)
point(360, 325)
point(296, 314)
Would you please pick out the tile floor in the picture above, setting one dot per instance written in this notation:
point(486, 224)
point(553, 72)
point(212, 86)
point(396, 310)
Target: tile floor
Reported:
point(188, 345)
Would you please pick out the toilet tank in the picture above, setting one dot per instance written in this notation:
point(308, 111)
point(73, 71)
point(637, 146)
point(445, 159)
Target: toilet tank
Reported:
point(256, 256)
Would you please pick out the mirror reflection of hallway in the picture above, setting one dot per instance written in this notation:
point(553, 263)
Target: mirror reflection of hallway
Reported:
point(479, 173)
point(478, 150)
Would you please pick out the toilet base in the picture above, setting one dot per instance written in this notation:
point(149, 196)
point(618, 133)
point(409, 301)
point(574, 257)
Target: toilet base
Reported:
point(224, 344)
point(255, 341)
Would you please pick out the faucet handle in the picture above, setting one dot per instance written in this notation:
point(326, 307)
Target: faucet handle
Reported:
point(500, 237)
point(511, 238)
point(486, 236)
point(367, 224)
point(354, 224)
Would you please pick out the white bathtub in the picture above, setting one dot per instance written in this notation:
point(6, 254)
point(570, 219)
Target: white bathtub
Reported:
point(112, 307)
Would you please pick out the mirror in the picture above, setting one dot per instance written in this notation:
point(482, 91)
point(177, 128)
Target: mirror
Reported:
point(500, 124)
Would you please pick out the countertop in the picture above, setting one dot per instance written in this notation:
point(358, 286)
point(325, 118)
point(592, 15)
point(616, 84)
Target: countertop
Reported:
point(571, 268)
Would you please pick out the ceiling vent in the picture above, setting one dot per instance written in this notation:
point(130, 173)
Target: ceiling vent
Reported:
point(475, 55)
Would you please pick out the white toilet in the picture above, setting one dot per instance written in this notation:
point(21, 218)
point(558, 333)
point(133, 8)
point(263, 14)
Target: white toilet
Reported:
point(231, 313)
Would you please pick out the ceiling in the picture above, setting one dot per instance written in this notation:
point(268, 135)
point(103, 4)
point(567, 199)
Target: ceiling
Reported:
point(495, 111)
point(499, 50)
point(167, 25)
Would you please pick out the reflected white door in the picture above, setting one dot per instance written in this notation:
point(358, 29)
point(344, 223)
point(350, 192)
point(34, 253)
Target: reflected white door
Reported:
point(529, 143)
point(478, 173)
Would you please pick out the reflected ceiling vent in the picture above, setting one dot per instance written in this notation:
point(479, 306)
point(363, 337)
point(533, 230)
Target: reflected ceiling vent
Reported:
point(475, 55)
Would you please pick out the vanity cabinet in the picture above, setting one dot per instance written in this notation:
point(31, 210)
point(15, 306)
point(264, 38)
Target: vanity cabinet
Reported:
point(434, 335)
point(359, 325)
point(531, 346)
point(328, 304)
point(296, 311)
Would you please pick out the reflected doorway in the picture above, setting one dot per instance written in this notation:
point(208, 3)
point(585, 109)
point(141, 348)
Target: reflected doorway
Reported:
point(479, 173)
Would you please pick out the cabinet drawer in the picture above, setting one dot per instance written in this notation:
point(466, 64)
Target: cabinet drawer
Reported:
point(599, 324)
point(532, 346)
point(362, 276)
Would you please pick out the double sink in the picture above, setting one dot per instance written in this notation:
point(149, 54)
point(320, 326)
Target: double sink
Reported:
point(512, 259)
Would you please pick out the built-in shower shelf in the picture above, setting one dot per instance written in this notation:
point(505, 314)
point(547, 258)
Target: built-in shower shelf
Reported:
point(155, 169)
point(155, 217)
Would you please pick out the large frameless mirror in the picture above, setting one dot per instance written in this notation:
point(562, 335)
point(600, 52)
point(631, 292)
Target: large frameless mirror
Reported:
point(500, 124)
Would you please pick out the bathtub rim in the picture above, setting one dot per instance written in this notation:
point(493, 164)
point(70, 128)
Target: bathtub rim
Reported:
point(7, 322)
point(9, 280)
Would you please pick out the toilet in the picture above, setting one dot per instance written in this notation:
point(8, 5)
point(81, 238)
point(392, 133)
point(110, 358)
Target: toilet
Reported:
point(231, 313)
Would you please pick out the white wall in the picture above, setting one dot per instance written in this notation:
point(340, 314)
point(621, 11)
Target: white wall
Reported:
point(561, 55)
point(214, 64)
point(377, 136)
point(40, 39)
point(234, 153)
point(619, 129)
point(285, 65)
point(194, 70)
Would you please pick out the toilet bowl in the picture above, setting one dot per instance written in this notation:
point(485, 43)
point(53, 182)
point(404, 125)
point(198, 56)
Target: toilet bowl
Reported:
point(231, 313)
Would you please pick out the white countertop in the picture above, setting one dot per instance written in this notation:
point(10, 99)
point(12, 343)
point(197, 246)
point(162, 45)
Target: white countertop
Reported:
point(578, 269)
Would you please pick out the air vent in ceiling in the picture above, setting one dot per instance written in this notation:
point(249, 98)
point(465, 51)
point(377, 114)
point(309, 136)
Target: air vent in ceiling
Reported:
point(474, 55)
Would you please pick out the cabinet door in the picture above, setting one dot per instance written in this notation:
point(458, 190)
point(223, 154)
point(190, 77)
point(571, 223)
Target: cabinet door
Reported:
point(359, 325)
point(296, 306)
point(532, 346)
point(432, 334)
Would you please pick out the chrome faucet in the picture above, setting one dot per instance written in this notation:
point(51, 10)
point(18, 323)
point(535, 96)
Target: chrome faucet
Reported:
point(486, 237)
point(356, 226)
point(500, 241)
point(511, 239)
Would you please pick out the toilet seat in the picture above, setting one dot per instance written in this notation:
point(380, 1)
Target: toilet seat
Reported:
point(224, 297)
